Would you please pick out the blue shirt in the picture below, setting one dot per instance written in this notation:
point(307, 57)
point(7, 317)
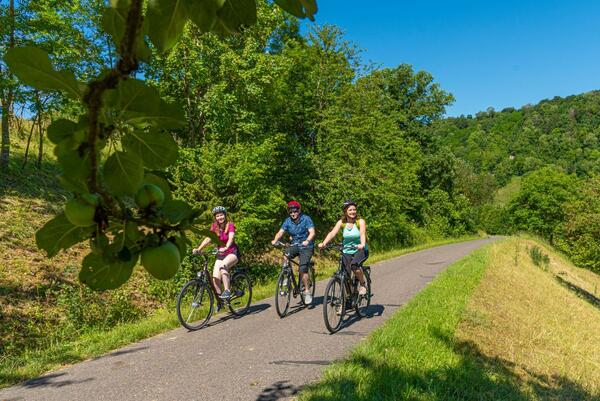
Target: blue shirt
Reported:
point(299, 229)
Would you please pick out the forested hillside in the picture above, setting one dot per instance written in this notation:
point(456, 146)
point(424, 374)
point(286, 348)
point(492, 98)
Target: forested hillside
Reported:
point(555, 147)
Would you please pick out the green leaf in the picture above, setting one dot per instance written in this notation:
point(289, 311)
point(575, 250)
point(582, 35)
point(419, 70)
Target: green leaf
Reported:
point(33, 67)
point(136, 102)
point(299, 8)
point(100, 274)
point(167, 19)
point(123, 172)
point(59, 234)
point(159, 182)
point(203, 13)
point(72, 184)
point(75, 165)
point(177, 210)
point(60, 130)
point(114, 20)
point(236, 14)
point(157, 149)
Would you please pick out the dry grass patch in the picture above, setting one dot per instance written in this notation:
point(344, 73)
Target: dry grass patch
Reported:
point(534, 327)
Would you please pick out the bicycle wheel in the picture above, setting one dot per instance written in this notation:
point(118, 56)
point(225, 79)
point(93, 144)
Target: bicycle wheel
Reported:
point(334, 305)
point(195, 305)
point(283, 292)
point(241, 294)
point(311, 282)
point(363, 301)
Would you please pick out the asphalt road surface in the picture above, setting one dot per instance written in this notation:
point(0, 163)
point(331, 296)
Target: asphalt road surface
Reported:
point(255, 357)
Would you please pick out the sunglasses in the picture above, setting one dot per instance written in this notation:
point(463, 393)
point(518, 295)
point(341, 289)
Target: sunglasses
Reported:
point(294, 211)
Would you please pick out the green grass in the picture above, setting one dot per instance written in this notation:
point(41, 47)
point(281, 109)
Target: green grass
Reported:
point(32, 363)
point(507, 192)
point(414, 355)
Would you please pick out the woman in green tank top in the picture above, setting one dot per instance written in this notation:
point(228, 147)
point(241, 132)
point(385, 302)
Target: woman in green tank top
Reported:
point(354, 241)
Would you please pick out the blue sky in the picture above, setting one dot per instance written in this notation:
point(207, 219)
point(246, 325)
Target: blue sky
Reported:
point(486, 53)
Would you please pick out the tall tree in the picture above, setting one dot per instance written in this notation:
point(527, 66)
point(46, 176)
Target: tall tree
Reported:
point(6, 86)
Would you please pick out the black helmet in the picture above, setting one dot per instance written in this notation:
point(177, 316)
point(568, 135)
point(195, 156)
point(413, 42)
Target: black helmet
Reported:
point(219, 209)
point(347, 204)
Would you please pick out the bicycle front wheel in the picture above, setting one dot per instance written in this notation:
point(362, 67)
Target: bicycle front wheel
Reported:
point(283, 292)
point(334, 305)
point(195, 305)
point(241, 294)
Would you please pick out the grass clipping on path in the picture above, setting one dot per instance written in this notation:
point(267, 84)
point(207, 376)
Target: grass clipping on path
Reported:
point(502, 333)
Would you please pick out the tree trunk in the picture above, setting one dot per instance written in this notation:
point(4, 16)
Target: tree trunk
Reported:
point(29, 141)
point(7, 101)
point(40, 130)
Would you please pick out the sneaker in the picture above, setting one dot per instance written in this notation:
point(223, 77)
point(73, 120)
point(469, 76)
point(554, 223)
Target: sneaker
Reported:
point(362, 290)
point(307, 298)
point(225, 295)
point(285, 282)
point(338, 310)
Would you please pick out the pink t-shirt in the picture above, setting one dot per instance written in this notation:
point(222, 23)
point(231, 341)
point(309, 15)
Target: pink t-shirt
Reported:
point(224, 237)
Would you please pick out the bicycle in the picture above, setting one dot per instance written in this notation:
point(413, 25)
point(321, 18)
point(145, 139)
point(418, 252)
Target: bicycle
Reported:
point(195, 303)
point(341, 294)
point(287, 285)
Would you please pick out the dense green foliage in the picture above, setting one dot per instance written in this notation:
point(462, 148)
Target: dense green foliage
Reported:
point(555, 147)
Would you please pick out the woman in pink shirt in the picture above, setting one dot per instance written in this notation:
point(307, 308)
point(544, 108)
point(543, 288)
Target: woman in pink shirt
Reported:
point(228, 255)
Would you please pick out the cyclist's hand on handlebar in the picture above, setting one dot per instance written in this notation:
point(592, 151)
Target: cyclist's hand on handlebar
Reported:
point(360, 246)
point(196, 251)
point(304, 243)
point(274, 242)
point(321, 245)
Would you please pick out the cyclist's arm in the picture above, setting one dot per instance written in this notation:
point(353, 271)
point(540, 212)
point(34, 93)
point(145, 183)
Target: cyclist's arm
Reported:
point(332, 233)
point(278, 236)
point(229, 240)
point(205, 242)
point(311, 234)
point(363, 234)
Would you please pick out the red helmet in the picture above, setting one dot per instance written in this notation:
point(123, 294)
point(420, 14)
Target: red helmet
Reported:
point(293, 205)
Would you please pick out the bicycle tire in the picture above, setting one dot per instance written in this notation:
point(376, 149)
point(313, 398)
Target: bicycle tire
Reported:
point(283, 294)
point(334, 304)
point(198, 296)
point(363, 301)
point(241, 290)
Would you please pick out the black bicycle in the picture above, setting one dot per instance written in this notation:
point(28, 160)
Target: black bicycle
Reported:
point(196, 301)
point(341, 294)
point(287, 285)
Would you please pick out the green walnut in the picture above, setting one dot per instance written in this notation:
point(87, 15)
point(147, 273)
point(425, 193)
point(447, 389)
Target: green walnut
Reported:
point(161, 261)
point(149, 195)
point(80, 211)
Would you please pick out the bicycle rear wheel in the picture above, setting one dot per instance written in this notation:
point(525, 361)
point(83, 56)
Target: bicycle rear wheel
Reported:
point(363, 301)
point(334, 305)
point(241, 294)
point(195, 305)
point(283, 292)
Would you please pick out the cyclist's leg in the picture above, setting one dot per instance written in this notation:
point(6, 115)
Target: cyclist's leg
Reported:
point(227, 263)
point(356, 265)
point(305, 256)
point(217, 274)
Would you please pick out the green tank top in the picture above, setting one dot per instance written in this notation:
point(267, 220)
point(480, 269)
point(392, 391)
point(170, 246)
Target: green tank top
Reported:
point(351, 238)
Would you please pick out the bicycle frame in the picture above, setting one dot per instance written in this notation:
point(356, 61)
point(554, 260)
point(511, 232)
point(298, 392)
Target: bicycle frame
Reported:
point(204, 274)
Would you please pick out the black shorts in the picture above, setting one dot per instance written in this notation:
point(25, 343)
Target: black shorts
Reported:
point(304, 253)
point(236, 253)
point(354, 261)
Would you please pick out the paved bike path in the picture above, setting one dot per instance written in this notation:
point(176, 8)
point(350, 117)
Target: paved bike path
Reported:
point(256, 357)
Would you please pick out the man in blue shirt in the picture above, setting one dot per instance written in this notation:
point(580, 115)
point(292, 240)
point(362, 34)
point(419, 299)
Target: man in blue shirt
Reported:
point(301, 229)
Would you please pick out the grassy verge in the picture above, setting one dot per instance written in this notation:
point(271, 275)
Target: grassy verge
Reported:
point(97, 342)
point(493, 326)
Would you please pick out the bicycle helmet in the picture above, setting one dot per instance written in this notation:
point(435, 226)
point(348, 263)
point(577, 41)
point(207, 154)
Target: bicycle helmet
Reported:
point(347, 204)
point(219, 209)
point(293, 205)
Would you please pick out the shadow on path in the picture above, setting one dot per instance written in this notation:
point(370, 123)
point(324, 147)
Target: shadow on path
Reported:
point(279, 390)
point(50, 381)
point(252, 310)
